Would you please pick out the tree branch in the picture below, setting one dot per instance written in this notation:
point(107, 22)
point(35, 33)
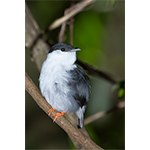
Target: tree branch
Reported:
point(95, 72)
point(74, 10)
point(63, 27)
point(86, 142)
point(62, 30)
point(32, 29)
point(100, 114)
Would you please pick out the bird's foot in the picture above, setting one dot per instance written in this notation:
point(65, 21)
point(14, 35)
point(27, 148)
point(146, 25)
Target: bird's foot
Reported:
point(50, 111)
point(58, 115)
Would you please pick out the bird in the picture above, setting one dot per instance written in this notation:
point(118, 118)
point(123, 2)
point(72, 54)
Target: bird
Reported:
point(65, 86)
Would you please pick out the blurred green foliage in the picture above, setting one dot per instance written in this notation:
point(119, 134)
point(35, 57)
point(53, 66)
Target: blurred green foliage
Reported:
point(113, 2)
point(120, 87)
point(100, 33)
point(121, 93)
point(88, 39)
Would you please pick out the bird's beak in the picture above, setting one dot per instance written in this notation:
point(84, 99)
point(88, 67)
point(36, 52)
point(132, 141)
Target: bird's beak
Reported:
point(74, 50)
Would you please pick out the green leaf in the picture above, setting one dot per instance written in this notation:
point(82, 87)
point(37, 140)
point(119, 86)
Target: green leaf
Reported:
point(121, 93)
point(120, 86)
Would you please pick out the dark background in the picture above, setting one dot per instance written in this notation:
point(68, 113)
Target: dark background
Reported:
point(99, 31)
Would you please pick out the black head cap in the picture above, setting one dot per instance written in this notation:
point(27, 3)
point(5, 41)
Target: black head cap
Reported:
point(63, 47)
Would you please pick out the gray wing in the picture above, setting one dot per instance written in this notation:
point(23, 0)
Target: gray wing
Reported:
point(80, 85)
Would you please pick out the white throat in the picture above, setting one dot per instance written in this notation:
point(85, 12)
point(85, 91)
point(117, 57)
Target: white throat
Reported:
point(62, 58)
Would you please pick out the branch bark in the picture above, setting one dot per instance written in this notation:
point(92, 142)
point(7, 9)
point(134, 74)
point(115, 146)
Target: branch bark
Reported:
point(32, 29)
point(86, 142)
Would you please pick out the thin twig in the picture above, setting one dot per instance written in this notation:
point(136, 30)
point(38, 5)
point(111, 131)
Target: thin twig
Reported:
point(71, 31)
point(103, 113)
point(86, 142)
point(63, 28)
point(71, 27)
point(75, 10)
point(61, 33)
point(95, 72)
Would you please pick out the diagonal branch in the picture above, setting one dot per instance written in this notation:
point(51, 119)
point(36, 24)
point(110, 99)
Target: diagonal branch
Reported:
point(75, 9)
point(94, 72)
point(84, 141)
point(100, 114)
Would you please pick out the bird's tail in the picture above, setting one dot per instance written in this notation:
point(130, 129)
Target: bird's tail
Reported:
point(80, 122)
point(80, 118)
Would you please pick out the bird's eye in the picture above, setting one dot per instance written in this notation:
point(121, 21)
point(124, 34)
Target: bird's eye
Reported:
point(62, 49)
